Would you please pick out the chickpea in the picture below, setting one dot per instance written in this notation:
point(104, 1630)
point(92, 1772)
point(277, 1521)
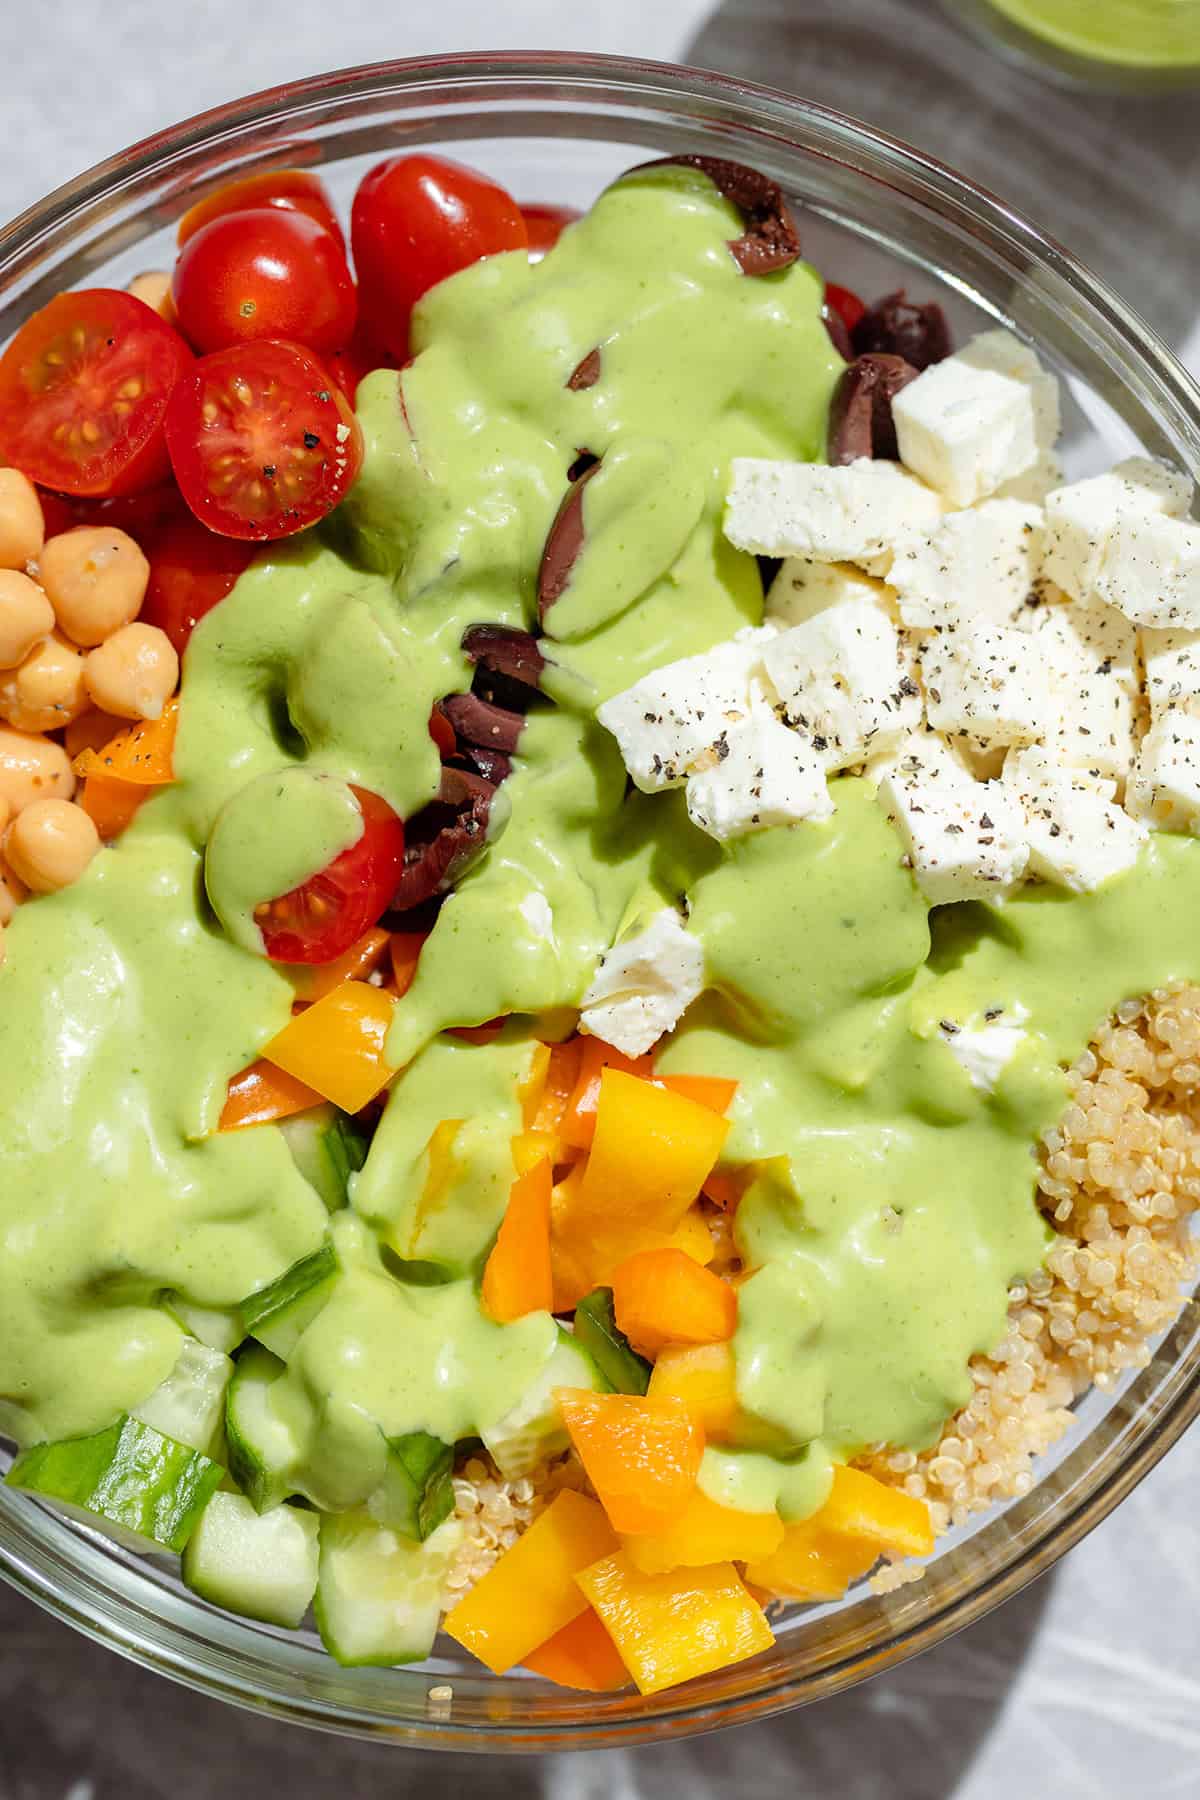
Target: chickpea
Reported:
point(22, 528)
point(12, 892)
point(91, 731)
point(96, 579)
point(153, 287)
point(47, 691)
point(33, 768)
point(134, 673)
point(50, 844)
point(26, 616)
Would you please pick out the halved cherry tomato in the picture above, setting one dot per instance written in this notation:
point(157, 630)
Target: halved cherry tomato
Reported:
point(845, 303)
point(544, 226)
point(264, 274)
point(417, 219)
point(84, 388)
point(320, 920)
point(191, 570)
point(442, 732)
point(291, 190)
point(356, 360)
point(261, 441)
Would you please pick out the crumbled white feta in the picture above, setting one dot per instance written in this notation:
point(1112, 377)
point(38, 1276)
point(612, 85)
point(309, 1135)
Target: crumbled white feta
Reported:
point(841, 514)
point(963, 837)
point(976, 420)
point(767, 775)
point(644, 985)
point(1034, 483)
point(803, 588)
point(984, 1046)
point(1077, 837)
point(1171, 660)
point(977, 564)
point(845, 680)
point(1151, 571)
point(672, 718)
point(1090, 657)
point(985, 684)
point(1164, 787)
point(1082, 517)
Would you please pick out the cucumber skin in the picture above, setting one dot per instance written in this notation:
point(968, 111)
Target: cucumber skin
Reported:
point(596, 1330)
point(417, 1495)
point(277, 1314)
point(350, 1526)
point(263, 1486)
point(113, 1475)
point(206, 1560)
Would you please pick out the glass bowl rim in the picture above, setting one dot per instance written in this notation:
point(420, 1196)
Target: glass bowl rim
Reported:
point(835, 136)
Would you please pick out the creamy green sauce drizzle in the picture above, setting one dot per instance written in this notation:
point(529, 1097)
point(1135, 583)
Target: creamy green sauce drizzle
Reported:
point(895, 1202)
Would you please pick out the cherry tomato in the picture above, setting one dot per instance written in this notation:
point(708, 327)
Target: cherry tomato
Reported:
point(191, 569)
point(417, 219)
point(261, 441)
point(291, 190)
point(319, 921)
point(443, 734)
point(84, 388)
point(352, 364)
point(545, 225)
point(264, 274)
point(845, 303)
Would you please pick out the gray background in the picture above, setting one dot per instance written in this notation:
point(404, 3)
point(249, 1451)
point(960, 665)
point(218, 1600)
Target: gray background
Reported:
point(1083, 1687)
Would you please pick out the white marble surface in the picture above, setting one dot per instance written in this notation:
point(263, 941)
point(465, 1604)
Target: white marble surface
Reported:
point(1085, 1687)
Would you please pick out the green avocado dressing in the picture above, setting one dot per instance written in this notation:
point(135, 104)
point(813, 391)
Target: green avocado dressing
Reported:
point(894, 1204)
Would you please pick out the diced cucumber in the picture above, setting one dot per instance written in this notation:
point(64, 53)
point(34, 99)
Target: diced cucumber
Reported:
point(280, 1313)
point(263, 1565)
point(379, 1595)
point(533, 1429)
point(415, 1494)
point(189, 1405)
point(597, 1332)
point(129, 1480)
point(263, 1452)
point(218, 1329)
point(327, 1148)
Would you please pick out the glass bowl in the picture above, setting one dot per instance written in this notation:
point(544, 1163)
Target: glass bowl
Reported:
point(874, 215)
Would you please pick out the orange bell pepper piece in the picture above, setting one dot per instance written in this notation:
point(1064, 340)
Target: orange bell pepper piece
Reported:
point(92, 730)
point(861, 1518)
point(704, 1377)
point(337, 1045)
point(568, 1259)
point(579, 1120)
point(531, 1593)
point(812, 1564)
point(517, 1278)
point(110, 805)
point(581, 1655)
point(477, 1034)
point(862, 1507)
point(262, 1093)
point(706, 1533)
point(670, 1628)
point(355, 964)
point(642, 1456)
point(405, 954)
point(725, 1187)
point(663, 1297)
point(142, 753)
point(713, 1091)
point(562, 1074)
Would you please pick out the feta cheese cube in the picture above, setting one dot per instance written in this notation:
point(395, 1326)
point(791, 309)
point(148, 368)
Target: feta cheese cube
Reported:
point(963, 838)
point(1171, 660)
point(804, 588)
point(976, 420)
point(985, 684)
point(669, 719)
point(1090, 655)
point(1077, 837)
point(1164, 788)
point(1034, 483)
point(1081, 518)
point(844, 678)
point(644, 985)
point(767, 775)
point(979, 564)
point(1151, 571)
point(841, 514)
point(984, 1046)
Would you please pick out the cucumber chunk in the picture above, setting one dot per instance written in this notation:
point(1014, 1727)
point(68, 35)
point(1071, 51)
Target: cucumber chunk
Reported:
point(327, 1148)
point(263, 1452)
point(533, 1429)
point(189, 1405)
point(379, 1595)
point(218, 1329)
point(130, 1480)
point(280, 1313)
point(597, 1332)
point(415, 1494)
point(263, 1565)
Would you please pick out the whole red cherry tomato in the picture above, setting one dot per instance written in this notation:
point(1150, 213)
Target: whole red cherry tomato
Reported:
point(415, 220)
point(291, 190)
point(318, 921)
point(545, 225)
point(352, 364)
point(84, 388)
point(264, 274)
point(262, 443)
point(191, 570)
point(845, 302)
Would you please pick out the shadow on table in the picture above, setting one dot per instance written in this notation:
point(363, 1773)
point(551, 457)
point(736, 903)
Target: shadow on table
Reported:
point(1115, 178)
point(78, 1723)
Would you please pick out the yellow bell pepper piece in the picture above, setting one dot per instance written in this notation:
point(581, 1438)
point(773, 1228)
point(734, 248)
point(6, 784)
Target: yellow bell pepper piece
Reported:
point(706, 1533)
point(533, 1087)
point(862, 1507)
point(336, 1046)
point(670, 1628)
point(704, 1378)
point(531, 1592)
point(532, 1147)
point(862, 1517)
point(812, 1563)
point(691, 1235)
